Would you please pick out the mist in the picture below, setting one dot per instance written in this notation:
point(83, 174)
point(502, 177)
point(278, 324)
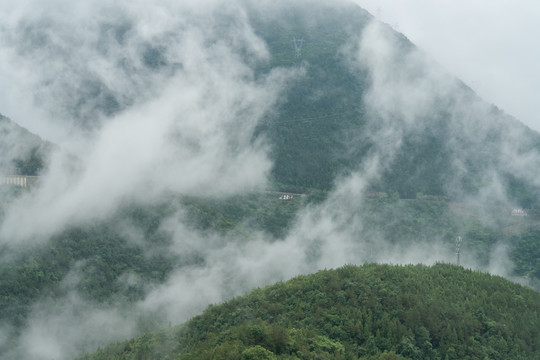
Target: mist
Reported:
point(165, 98)
point(490, 51)
point(186, 127)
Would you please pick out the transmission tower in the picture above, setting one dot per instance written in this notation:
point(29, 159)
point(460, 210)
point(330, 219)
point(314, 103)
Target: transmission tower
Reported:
point(459, 240)
point(298, 46)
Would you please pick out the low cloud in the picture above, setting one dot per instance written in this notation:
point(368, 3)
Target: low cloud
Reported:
point(190, 129)
point(487, 47)
point(167, 101)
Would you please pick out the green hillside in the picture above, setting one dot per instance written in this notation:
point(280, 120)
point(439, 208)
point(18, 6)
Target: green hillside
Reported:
point(107, 252)
point(23, 153)
point(368, 312)
point(310, 134)
point(324, 128)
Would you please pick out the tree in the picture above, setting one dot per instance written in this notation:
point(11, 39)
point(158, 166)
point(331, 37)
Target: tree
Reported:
point(257, 352)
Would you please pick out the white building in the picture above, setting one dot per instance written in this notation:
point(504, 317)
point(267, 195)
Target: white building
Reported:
point(18, 180)
point(519, 212)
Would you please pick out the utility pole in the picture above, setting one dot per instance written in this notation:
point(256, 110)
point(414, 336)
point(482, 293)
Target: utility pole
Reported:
point(459, 240)
point(298, 46)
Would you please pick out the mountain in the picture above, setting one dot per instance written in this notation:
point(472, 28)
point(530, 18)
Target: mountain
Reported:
point(238, 145)
point(368, 312)
point(445, 140)
point(23, 153)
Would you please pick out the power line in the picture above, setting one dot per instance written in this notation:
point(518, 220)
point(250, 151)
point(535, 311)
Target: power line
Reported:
point(298, 43)
point(459, 240)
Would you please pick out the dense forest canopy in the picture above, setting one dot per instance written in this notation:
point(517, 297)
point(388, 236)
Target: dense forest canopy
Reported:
point(368, 312)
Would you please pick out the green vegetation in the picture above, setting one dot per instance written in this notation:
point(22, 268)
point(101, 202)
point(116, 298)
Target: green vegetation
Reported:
point(368, 312)
point(31, 165)
point(98, 254)
point(260, 211)
point(322, 128)
point(319, 132)
point(101, 254)
point(32, 151)
point(313, 129)
point(526, 254)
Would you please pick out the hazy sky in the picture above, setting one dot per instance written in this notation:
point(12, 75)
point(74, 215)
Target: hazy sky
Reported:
point(493, 46)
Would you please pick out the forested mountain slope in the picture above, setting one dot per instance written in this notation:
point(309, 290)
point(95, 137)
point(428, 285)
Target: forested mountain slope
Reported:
point(368, 312)
point(355, 99)
point(23, 153)
point(330, 120)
